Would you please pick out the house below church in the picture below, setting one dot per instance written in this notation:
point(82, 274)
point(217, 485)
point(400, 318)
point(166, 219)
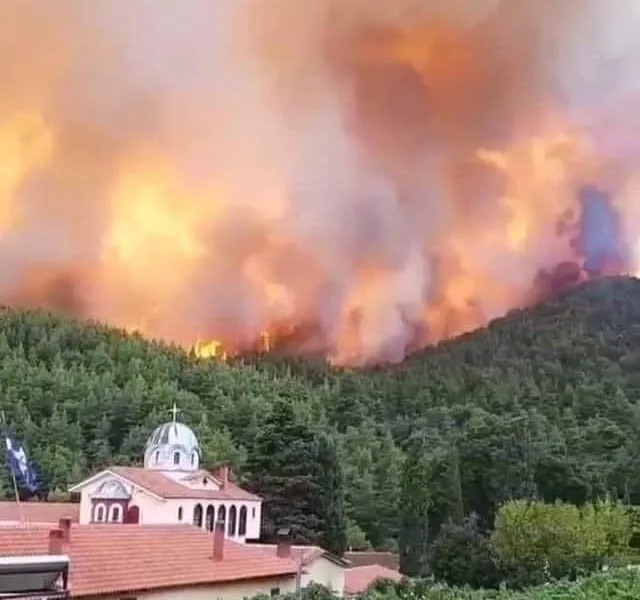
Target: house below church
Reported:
point(318, 566)
point(148, 562)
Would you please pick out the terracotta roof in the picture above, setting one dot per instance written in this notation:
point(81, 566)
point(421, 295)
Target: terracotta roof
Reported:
point(358, 579)
point(385, 559)
point(307, 553)
point(110, 559)
point(39, 512)
point(165, 487)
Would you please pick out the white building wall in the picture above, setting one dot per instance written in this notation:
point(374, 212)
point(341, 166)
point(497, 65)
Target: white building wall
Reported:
point(150, 507)
point(227, 591)
point(154, 511)
point(324, 572)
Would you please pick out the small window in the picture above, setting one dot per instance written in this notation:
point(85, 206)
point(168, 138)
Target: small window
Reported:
point(274, 592)
point(242, 522)
point(115, 514)
point(157, 457)
point(253, 512)
point(210, 518)
point(233, 516)
point(176, 458)
point(179, 513)
point(193, 459)
point(100, 513)
point(197, 515)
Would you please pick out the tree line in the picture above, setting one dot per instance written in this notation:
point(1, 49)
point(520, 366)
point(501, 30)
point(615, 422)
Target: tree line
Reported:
point(542, 403)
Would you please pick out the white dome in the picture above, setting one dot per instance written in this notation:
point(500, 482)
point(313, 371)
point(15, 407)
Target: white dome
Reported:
point(172, 447)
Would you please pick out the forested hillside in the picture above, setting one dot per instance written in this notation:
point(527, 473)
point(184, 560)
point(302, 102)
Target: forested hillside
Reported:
point(543, 402)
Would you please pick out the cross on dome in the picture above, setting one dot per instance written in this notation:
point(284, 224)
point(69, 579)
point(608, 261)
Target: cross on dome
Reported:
point(174, 411)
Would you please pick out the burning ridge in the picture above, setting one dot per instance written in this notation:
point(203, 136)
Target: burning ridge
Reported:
point(321, 177)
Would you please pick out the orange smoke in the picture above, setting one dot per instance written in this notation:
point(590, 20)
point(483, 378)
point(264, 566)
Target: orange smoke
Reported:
point(25, 145)
point(353, 179)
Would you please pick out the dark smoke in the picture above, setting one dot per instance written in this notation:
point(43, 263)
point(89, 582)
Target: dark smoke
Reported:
point(600, 240)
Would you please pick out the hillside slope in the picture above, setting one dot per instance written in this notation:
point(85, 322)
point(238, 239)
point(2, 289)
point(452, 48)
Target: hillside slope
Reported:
point(84, 395)
point(544, 401)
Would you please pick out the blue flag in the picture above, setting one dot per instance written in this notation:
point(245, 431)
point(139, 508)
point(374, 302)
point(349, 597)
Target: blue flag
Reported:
point(24, 470)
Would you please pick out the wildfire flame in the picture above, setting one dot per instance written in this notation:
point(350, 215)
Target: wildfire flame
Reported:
point(351, 179)
point(210, 349)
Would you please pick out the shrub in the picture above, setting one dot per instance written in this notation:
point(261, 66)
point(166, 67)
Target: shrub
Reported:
point(621, 584)
point(536, 542)
point(462, 555)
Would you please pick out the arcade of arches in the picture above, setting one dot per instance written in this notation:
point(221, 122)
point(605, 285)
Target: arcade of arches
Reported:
point(236, 520)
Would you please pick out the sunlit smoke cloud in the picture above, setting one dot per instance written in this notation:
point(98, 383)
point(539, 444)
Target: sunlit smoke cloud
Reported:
point(357, 179)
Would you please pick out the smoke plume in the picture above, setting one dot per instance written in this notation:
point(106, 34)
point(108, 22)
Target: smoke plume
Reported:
point(354, 178)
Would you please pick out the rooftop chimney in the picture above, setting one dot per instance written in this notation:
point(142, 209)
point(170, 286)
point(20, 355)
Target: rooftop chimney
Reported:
point(218, 540)
point(224, 477)
point(284, 543)
point(64, 524)
point(56, 542)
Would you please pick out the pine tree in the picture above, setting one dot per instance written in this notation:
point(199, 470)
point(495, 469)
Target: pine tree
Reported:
point(282, 470)
point(332, 495)
point(415, 499)
point(386, 482)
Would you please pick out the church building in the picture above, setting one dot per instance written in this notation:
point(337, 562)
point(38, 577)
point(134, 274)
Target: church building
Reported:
point(170, 489)
point(166, 529)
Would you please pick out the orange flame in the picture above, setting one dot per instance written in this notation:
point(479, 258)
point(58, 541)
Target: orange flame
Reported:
point(210, 349)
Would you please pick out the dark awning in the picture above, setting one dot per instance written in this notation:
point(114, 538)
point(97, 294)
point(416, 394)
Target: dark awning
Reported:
point(34, 577)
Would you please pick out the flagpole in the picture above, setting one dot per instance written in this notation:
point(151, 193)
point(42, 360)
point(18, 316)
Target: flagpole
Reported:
point(3, 422)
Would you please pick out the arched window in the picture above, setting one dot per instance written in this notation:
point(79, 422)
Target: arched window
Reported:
point(233, 518)
point(211, 512)
point(197, 515)
point(115, 513)
point(100, 513)
point(179, 513)
point(222, 513)
point(157, 456)
point(242, 521)
point(176, 458)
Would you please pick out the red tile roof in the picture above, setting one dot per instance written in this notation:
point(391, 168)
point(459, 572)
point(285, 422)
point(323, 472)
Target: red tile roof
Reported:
point(39, 512)
point(358, 579)
point(390, 560)
point(110, 559)
point(308, 554)
point(165, 487)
